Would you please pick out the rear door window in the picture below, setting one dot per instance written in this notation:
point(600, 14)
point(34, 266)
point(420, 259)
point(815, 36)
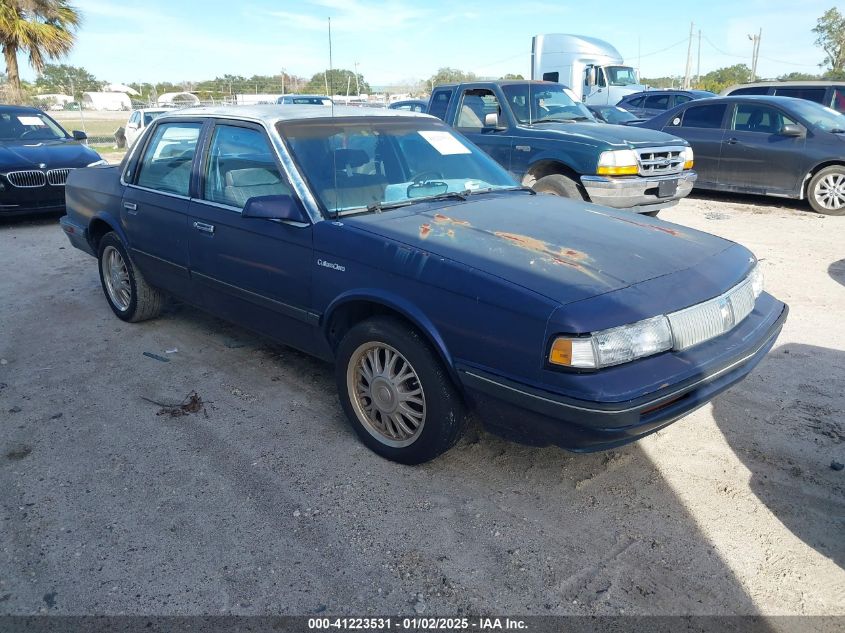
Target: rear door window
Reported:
point(703, 116)
point(440, 103)
point(166, 164)
point(635, 103)
point(657, 102)
point(803, 92)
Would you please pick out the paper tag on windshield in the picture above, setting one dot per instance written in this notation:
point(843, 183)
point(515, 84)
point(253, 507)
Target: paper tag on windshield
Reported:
point(444, 142)
point(31, 120)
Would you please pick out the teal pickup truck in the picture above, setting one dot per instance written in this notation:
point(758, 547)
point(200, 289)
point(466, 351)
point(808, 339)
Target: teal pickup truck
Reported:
point(550, 141)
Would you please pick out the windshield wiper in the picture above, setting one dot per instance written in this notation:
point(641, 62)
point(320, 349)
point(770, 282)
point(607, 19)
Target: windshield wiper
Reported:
point(378, 207)
point(552, 119)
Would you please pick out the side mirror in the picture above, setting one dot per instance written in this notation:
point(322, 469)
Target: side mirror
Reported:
point(78, 135)
point(791, 129)
point(280, 207)
point(491, 120)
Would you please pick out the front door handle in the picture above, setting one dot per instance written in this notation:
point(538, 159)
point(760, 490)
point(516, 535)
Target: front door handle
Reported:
point(205, 228)
point(732, 141)
point(131, 207)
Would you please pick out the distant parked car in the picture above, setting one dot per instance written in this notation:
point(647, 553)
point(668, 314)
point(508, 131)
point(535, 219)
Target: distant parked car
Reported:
point(653, 102)
point(319, 100)
point(777, 146)
point(613, 114)
point(412, 105)
point(139, 121)
point(827, 93)
point(36, 156)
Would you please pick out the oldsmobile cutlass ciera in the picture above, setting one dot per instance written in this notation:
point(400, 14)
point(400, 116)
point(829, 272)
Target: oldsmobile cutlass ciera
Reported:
point(389, 244)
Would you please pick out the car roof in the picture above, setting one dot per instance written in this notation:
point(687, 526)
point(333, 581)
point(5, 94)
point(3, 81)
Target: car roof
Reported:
point(673, 91)
point(272, 113)
point(18, 108)
point(786, 84)
point(774, 99)
point(295, 96)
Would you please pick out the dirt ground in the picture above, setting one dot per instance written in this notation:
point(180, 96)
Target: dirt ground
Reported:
point(264, 502)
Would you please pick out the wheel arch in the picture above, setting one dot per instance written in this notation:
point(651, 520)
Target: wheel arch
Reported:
point(351, 308)
point(547, 167)
point(99, 226)
point(833, 162)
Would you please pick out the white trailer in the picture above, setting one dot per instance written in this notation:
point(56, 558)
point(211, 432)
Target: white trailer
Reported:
point(592, 68)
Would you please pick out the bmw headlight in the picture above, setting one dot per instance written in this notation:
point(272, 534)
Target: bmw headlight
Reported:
point(614, 346)
point(96, 163)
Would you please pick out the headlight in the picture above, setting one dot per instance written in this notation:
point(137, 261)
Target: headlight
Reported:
point(614, 346)
point(621, 162)
point(688, 157)
point(756, 277)
point(102, 161)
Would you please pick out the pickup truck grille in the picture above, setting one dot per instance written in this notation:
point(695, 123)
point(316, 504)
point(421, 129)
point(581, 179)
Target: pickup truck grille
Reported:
point(58, 176)
point(29, 178)
point(658, 161)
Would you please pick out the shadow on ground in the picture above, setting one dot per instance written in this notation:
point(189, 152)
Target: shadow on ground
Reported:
point(837, 271)
point(751, 200)
point(790, 450)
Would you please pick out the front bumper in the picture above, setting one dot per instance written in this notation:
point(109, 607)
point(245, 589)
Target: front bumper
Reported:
point(637, 193)
point(539, 417)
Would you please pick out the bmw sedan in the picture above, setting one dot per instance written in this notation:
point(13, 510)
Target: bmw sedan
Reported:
point(36, 156)
point(776, 146)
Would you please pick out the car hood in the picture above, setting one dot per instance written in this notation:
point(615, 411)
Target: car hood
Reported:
point(623, 136)
point(54, 153)
point(562, 249)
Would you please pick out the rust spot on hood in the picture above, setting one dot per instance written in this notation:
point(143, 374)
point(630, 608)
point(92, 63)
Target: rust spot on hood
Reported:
point(445, 219)
point(425, 230)
point(565, 256)
point(653, 227)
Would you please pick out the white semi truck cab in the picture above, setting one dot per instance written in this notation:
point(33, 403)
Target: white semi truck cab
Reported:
point(592, 68)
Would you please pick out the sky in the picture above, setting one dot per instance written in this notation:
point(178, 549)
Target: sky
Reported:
point(399, 41)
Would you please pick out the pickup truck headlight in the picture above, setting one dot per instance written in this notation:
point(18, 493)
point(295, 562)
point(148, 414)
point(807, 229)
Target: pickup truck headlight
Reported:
point(614, 346)
point(621, 162)
point(688, 157)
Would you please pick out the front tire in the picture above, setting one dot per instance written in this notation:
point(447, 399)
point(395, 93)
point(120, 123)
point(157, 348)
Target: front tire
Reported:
point(560, 185)
point(129, 295)
point(826, 191)
point(396, 393)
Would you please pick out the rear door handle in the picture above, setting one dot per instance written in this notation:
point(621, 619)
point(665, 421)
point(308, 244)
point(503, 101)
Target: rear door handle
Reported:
point(131, 207)
point(205, 228)
point(732, 141)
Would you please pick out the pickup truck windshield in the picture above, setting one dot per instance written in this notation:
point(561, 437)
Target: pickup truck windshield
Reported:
point(355, 163)
point(533, 103)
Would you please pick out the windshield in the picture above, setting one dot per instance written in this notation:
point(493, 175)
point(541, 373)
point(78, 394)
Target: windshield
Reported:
point(615, 114)
point(531, 103)
point(819, 116)
point(29, 126)
point(149, 116)
point(353, 163)
point(621, 76)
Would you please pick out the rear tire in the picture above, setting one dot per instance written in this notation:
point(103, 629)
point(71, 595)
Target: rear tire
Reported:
point(560, 185)
point(396, 392)
point(129, 295)
point(826, 191)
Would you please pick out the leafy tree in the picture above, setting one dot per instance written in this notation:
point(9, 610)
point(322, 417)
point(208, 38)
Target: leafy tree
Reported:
point(511, 76)
point(450, 76)
point(719, 79)
point(337, 79)
point(663, 82)
point(797, 76)
point(830, 29)
point(43, 29)
point(66, 79)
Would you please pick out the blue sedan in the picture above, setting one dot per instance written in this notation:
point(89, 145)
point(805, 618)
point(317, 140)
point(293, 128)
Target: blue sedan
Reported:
point(389, 244)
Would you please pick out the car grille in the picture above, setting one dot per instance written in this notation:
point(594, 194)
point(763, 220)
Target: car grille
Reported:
point(658, 161)
point(30, 178)
point(57, 176)
point(712, 318)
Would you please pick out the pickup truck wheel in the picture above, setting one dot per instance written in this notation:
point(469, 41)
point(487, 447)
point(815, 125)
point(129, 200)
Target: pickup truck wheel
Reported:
point(131, 298)
point(559, 185)
point(826, 191)
point(396, 392)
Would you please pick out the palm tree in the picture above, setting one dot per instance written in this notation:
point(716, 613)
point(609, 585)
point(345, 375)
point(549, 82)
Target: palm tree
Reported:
point(44, 29)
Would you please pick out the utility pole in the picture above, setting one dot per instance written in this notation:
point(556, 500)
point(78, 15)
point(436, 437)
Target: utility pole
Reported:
point(755, 52)
point(330, 61)
point(357, 87)
point(689, 57)
point(698, 64)
point(283, 81)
